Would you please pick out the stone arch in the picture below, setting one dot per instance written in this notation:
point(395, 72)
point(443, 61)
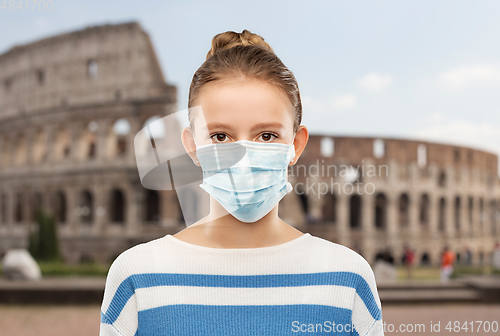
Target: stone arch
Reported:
point(493, 217)
point(118, 138)
point(6, 152)
point(36, 206)
point(381, 211)
point(21, 153)
point(88, 141)
point(442, 179)
point(355, 207)
point(442, 214)
point(19, 208)
point(424, 210)
point(3, 208)
point(457, 209)
point(39, 146)
point(481, 214)
point(86, 207)
point(329, 207)
point(62, 144)
point(117, 206)
point(152, 206)
point(471, 213)
point(404, 210)
point(60, 207)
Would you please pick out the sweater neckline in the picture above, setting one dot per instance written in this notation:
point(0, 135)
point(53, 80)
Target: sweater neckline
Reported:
point(239, 249)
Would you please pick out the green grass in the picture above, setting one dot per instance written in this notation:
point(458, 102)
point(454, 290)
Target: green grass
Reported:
point(55, 268)
point(428, 273)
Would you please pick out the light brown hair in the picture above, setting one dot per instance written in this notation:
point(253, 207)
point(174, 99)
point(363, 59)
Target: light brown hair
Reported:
point(245, 55)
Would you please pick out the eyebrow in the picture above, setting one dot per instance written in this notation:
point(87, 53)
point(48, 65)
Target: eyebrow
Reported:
point(258, 126)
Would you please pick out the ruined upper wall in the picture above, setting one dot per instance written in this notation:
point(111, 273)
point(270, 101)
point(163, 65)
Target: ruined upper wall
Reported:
point(96, 65)
point(356, 149)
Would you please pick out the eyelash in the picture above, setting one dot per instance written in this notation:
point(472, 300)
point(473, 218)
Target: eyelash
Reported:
point(215, 134)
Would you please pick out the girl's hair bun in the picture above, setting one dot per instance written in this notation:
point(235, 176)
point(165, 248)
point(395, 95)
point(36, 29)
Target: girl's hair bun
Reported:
point(231, 39)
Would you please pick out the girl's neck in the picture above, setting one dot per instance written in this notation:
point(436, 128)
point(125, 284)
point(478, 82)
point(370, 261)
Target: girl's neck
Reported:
point(228, 232)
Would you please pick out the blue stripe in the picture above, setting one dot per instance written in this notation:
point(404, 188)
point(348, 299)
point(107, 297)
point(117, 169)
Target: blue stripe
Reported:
point(347, 279)
point(276, 320)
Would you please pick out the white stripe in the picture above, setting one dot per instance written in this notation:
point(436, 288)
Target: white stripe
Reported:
point(154, 297)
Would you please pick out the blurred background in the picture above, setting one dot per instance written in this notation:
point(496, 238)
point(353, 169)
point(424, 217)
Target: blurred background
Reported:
point(400, 98)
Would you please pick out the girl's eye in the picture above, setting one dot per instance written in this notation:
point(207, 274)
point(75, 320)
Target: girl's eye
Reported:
point(268, 136)
point(219, 137)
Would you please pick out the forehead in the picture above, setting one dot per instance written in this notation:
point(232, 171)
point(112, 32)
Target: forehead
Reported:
point(244, 101)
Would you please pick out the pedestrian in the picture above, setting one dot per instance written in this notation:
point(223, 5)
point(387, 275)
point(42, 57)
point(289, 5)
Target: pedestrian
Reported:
point(447, 260)
point(241, 270)
point(409, 262)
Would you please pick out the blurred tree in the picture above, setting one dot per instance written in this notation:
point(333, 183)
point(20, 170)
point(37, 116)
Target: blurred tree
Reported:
point(43, 242)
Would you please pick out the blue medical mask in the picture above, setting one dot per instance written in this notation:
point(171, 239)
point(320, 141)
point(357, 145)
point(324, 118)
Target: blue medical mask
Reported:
point(254, 185)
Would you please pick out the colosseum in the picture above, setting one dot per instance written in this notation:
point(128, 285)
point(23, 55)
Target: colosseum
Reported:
point(71, 106)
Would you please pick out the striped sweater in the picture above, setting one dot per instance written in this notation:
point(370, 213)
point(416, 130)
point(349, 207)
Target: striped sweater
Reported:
point(306, 286)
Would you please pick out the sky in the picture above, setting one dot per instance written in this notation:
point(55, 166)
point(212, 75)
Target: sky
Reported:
point(425, 70)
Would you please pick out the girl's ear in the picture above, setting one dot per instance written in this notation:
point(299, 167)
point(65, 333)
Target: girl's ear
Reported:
point(300, 142)
point(187, 138)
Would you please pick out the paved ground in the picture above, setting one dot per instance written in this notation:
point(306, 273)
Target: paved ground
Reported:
point(84, 320)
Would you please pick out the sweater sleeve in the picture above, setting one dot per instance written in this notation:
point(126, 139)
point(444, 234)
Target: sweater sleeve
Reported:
point(367, 308)
point(119, 315)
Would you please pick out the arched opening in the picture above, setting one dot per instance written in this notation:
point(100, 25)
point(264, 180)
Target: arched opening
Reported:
point(442, 214)
point(21, 152)
point(481, 214)
point(152, 206)
point(425, 259)
point(471, 213)
point(421, 156)
point(355, 212)
point(329, 208)
point(327, 147)
point(89, 141)
point(378, 148)
point(118, 137)
point(6, 153)
point(381, 211)
point(60, 207)
point(3, 208)
point(86, 208)
point(404, 207)
point(117, 206)
point(493, 215)
point(39, 150)
point(442, 179)
point(92, 68)
point(457, 212)
point(424, 210)
point(19, 208)
point(36, 206)
point(62, 145)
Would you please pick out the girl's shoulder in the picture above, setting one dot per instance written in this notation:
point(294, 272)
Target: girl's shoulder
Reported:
point(337, 257)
